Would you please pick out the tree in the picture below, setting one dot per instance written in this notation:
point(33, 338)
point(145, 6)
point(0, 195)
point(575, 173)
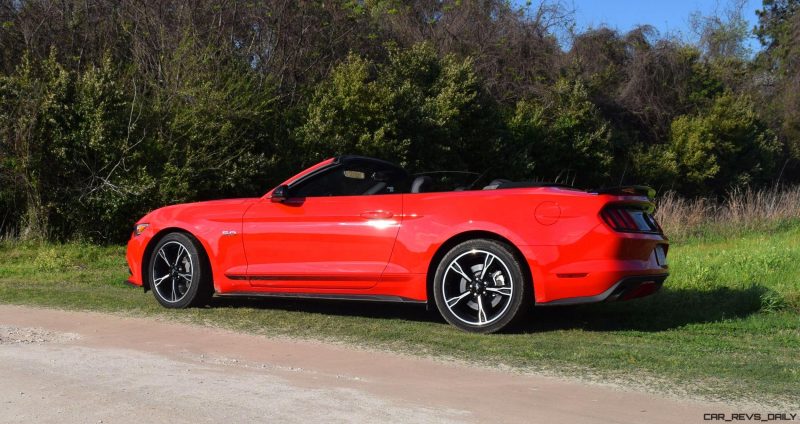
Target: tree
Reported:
point(722, 147)
point(70, 137)
point(722, 40)
point(417, 109)
point(723, 34)
point(778, 80)
point(109, 108)
point(513, 45)
point(777, 30)
point(215, 123)
point(563, 138)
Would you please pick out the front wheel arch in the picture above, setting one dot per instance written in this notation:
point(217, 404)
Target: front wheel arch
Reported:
point(148, 251)
point(466, 236)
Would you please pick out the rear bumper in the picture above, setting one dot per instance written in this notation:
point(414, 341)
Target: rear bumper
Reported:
point(624, 289)
point(591, 268)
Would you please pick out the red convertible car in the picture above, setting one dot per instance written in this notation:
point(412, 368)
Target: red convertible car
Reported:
point(358, 228)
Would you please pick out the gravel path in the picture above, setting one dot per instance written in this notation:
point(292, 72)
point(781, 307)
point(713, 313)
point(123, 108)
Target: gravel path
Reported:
point(58, 366)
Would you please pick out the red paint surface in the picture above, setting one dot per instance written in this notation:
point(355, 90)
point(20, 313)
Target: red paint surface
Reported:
point(385, 244)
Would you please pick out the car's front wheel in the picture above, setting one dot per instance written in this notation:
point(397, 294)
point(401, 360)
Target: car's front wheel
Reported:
point(479, 286)
point(179, 275)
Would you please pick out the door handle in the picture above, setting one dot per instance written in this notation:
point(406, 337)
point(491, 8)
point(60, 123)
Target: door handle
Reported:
point(377, 214)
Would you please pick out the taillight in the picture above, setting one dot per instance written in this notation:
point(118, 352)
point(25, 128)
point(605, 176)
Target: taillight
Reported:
point(652, 219)
point(629, 219)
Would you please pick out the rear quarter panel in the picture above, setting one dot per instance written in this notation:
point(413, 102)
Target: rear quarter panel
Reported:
point(431, 219)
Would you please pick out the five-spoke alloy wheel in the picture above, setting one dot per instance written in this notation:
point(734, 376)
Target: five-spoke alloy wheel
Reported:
point(479, 286)
point(178, 274)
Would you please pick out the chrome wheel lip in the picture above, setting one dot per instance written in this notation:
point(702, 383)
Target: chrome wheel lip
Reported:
point(482, 287)
point(171, 277)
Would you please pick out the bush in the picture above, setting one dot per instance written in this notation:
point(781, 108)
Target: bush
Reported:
point(74, 150)
point(215, 126)
point(156, 106)
point(88, 158)
point(722, 147)
point(417, 109)
point(563, 138)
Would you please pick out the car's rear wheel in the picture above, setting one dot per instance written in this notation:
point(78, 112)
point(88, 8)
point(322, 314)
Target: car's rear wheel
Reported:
point(179, 275)
point(479, 286)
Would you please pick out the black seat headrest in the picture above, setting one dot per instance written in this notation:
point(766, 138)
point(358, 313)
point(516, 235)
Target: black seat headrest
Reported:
point(420, 183)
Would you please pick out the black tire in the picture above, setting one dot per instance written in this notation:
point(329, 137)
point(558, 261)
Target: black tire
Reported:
point(502, 292)
point(179, 273)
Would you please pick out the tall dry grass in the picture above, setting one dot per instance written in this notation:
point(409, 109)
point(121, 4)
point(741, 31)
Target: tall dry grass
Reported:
point(741, 211)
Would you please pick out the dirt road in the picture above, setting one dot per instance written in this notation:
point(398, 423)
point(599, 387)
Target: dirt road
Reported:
point(58, 366)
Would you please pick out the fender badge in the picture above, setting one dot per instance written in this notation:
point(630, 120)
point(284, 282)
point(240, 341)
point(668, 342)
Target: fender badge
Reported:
point(228, 232)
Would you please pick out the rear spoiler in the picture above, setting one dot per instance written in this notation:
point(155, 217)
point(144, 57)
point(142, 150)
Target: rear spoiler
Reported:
point(633, 190)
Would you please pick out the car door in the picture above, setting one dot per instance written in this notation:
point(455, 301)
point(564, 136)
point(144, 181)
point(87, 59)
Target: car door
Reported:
point(335, 230)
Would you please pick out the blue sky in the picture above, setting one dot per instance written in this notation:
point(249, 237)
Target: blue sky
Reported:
point(671, 16)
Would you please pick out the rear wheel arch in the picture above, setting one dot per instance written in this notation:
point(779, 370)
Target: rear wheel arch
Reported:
point(148, 251)
point(466, 236)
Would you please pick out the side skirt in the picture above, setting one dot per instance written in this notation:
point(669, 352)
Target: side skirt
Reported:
point(354, 297)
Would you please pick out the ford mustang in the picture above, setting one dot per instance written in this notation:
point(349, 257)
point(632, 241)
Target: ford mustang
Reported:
point(357, 228)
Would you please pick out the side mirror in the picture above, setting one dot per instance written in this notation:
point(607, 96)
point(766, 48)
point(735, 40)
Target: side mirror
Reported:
point(280, 194)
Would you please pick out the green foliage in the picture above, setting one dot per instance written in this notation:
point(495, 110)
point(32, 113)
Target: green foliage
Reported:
point(777, 25)
point(417, 109)
point(33, 114)
point(90, 157)
point(723, 145)
point(159, 108)
point(563, 138)
point(216, 123)
point(778, 70)
point(106, 181)
point(351, 113)
point(72, 142)
point(654, 165)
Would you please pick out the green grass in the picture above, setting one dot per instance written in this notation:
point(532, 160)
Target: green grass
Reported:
point(727, 323)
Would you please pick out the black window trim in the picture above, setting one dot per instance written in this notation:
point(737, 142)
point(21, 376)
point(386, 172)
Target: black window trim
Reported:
point(341, 161)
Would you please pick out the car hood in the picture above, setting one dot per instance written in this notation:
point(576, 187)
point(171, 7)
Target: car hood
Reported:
point(225, 209)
